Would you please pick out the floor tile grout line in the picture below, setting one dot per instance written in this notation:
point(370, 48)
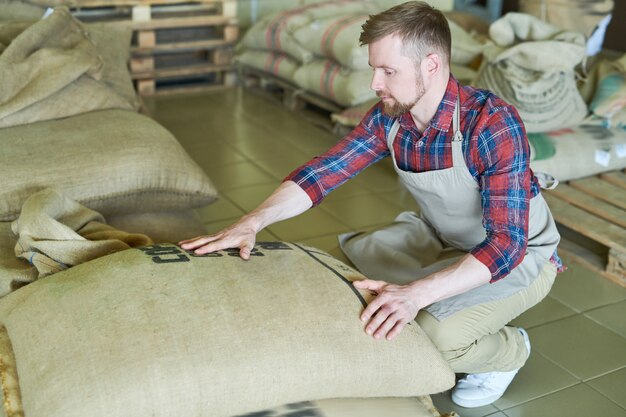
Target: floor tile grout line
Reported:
point(605, 396)
point(539, 396)
point(604, 374)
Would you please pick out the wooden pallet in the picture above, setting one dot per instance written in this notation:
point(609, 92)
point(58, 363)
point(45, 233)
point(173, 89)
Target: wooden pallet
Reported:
point(313, 107)
point(178, 46)
point(591, 216)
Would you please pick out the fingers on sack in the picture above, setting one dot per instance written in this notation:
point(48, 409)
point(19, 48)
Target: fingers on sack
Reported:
point(386, 326)
point(194, 243)
point(370, 284)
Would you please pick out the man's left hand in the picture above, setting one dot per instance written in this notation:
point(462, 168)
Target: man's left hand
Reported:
point(388, 313)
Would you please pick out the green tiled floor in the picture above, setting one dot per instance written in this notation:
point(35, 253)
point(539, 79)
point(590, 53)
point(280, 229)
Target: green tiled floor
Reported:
point(247, 145)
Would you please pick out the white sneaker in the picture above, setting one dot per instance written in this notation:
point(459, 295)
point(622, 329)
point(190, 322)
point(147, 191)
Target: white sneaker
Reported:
point(477, 390)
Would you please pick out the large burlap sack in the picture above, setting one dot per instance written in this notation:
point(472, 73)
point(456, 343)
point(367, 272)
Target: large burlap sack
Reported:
point(52, 69)
point(275, 63)
point(580, 15)
point(578, 152)
point(112, 161)
point(530, 64)
point(329, 79)
point(160, 332)
point(356, 407)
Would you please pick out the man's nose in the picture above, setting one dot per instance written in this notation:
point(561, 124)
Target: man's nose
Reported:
point(377, 82)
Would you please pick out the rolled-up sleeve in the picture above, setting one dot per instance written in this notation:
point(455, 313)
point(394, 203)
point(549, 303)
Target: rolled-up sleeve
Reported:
point(505, 182)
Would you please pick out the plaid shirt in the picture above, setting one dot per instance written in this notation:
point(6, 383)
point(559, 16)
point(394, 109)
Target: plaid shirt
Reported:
point(496, 151)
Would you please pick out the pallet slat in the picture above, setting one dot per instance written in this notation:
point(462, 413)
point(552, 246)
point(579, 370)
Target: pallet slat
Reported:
point(616, 178)
point(590, 204)
point(586, 223)
point(189, 43)
point(592, 226)
point(602, 190)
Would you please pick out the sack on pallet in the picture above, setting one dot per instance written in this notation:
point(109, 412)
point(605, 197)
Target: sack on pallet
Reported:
point(276, 32)
point(271, 33)
point(112, 161)
point(608, 103)
point(530, 64)
point(336, 38)
point(466, 49)
point(275, 63)
point(329, 79)
point(161, 332)
point(578, 152)
point(18, 11)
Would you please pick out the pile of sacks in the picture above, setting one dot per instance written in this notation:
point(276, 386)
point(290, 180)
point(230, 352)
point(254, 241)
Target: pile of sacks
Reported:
point(531, 64)
point(317, 48)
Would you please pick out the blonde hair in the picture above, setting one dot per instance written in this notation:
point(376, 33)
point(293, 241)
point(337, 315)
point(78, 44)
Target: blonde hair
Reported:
point(423, 29)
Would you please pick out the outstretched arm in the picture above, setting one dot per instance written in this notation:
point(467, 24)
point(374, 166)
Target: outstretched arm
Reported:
point(287, 201)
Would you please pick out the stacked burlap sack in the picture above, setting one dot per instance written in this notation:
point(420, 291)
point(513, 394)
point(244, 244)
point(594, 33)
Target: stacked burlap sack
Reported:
point(316, 47)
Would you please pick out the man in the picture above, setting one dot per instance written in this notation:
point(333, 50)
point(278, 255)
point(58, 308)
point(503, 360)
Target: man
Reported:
point(481, 251)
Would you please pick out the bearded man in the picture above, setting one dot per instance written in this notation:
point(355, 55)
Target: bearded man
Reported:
point(482, 249)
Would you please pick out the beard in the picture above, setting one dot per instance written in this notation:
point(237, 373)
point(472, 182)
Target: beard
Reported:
point(396, 108)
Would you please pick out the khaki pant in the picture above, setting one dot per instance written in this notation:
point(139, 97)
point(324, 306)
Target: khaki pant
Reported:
point(477, 339)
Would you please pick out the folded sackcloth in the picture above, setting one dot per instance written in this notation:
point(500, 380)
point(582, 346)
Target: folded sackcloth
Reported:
point(55, 233)
point(51, 69)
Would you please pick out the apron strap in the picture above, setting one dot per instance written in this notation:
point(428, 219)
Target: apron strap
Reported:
point(456, 121)
point(393, 132)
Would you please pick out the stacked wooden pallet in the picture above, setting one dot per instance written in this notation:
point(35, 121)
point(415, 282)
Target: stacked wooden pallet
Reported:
point(313, 107)
point(591, 215)
point(178, 45)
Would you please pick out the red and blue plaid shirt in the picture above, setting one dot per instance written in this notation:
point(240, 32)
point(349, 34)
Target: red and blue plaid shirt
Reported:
point(496, 151)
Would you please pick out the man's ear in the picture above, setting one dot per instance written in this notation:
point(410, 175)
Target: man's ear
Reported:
point(431, 64)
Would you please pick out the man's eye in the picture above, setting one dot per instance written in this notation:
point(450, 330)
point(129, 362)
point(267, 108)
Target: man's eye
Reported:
point(389, 72)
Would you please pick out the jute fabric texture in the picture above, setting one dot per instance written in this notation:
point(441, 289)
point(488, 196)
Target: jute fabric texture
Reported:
point(52, 69)
point(530, 64)
point(112, 161)
point(55, 233)
point(159, 332)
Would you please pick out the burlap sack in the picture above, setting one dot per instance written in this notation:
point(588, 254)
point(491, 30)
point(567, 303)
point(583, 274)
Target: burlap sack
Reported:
point(275, 63)
point(159, 332)
point(112, 161)
point(51, 69)
point(55, 233)
point(356, 407)
point(161, 227)
point(275, 32)
point(14, 272)
point(578, 152)
point(20, 11)
point(581, 15)
point(336, 38)
point(329, 79)
point(530, 64)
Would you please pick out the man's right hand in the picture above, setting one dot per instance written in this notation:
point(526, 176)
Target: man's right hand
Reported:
point(240, 235)
point(287, 201)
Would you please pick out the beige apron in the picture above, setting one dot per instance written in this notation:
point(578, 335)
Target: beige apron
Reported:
point(449, 225)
